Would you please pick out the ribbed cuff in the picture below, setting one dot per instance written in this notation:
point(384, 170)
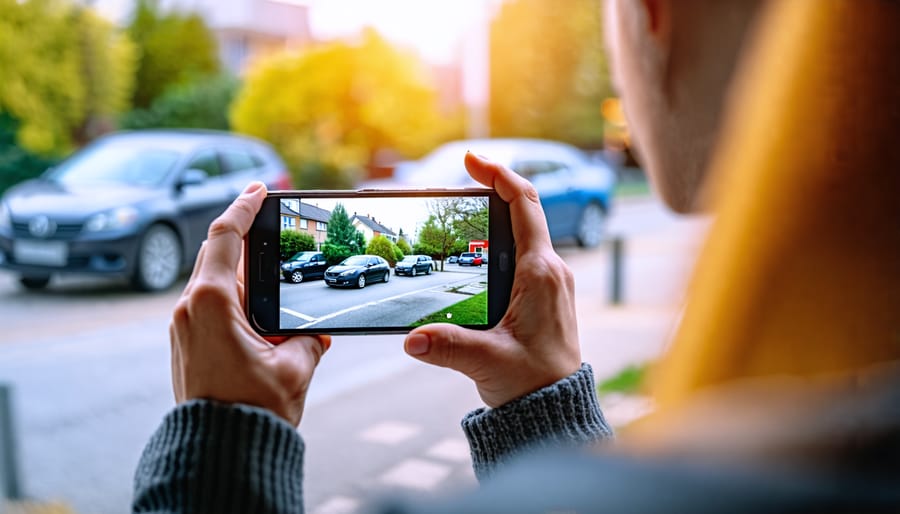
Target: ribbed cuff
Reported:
point(562, 414)
point(211, 457)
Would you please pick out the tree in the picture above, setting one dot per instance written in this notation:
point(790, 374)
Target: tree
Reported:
point(65, 73)
point(470, 218)
point(342, 240)
point(435, 239)
point(293, 241)
point(17, 163)
point(174, 49)
point(398, 253)
point(548, 71)
point(403, 245)
point(382, 247)
point(330, 108)
point(202, 103)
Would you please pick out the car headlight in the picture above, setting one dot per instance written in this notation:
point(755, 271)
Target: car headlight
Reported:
point(112, 219)
point(348, 272)
point(5, 218)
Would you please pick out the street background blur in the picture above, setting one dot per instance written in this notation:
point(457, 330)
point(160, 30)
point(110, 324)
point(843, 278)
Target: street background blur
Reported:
point(345, 92)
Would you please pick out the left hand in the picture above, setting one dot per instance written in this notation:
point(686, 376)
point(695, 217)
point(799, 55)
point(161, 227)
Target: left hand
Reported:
point(216, 355)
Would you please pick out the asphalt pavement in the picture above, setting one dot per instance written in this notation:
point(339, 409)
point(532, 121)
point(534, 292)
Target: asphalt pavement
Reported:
point(396, 303)
point(88, 361)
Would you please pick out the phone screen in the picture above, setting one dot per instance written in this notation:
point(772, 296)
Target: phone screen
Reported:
point(383, 262)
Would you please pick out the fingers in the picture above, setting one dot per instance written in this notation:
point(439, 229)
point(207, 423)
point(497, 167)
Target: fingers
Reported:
point(223, 246)
point(295, 353)
point(451, 346)
point(528, 222)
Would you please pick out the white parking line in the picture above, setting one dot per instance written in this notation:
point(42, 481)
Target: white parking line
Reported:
point(297, 314)
point(348, 310)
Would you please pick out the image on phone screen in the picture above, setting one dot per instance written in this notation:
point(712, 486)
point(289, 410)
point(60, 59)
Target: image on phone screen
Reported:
point(377, 262)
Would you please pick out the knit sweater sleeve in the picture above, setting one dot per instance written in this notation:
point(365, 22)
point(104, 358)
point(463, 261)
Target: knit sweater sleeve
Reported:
point(562, 414)
point(212, 457)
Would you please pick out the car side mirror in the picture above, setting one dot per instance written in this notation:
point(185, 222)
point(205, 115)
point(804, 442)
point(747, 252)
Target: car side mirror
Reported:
point(192, 177)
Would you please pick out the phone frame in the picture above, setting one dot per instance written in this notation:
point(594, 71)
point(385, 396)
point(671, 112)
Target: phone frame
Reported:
point(262, 299)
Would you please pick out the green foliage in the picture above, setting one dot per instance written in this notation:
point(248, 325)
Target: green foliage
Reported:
point(16, 163)
point(65, 73)
point(630, 380)
point(328, 109)
point(435, 239)
point(293, 241)
point(202, 103)
point(342, 240)
point(398, 253)
point(402, 245)
point(382, 247)
point(548, 71)
point(174, 49)
point(470, 218)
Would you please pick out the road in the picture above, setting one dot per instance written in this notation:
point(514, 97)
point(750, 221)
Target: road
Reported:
point(397, 303)
point(88, 361)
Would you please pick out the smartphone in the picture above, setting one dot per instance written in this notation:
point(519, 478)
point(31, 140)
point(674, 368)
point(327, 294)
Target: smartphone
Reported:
point(378, 261)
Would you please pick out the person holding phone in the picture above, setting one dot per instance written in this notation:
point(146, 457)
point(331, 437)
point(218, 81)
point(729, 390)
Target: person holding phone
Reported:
point(779, 393)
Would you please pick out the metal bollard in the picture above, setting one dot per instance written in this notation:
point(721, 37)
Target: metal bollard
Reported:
point(10, 485)
point(616, 282)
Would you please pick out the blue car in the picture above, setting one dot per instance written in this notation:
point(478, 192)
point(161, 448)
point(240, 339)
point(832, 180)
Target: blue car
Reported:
point(575, 190)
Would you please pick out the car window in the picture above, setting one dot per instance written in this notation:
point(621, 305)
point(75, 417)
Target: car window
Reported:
point(208, 161)
point(112, 162)
point(238, 160)
point(531, 169)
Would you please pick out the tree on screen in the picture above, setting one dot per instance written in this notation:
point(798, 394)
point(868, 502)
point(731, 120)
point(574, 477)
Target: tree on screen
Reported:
point(343, 239)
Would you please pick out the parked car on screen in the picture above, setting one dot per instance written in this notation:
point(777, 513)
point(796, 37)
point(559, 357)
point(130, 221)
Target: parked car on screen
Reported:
point(575, 191)
point(357, 271)
point(413, 265)
point(134, 204)
point(452, 259)
point(304, 266)
point(470, 259)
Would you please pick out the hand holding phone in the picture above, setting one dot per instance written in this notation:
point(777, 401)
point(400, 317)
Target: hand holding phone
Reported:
point(536, 342)
point(363, 262)
point(215, 353)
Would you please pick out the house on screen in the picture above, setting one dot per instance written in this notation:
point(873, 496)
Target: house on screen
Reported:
point(296, 215)
point(371, 228)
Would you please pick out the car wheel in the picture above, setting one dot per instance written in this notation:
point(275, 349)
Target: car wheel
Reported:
point(591, 225)
point(428, 270)
point(296, 276)
point(158, 259)
point(35, 283)
point(413, 272)
point(361, 281)
point(387, 276)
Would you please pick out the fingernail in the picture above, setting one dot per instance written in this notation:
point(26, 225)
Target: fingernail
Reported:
point(418, 344)
point(253, 187)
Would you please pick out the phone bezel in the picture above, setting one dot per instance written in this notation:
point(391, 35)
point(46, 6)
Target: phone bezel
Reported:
point(263, 274)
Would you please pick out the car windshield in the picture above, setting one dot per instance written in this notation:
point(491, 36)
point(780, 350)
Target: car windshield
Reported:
point(302, 256)
point(409, 259)
point(469, 255)
point(110, 163)
point(356, 260)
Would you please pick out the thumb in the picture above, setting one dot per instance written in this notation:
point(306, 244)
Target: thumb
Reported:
point(451, 346)
point(298, 351)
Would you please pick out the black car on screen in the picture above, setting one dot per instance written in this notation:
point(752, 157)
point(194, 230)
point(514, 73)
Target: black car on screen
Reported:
point(413, 265)
point(133, 204)
point(357, 271)
point(304, 266)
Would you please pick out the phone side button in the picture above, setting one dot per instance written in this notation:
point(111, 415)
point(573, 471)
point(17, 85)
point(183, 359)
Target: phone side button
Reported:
point(503, 262)
point(261, 272)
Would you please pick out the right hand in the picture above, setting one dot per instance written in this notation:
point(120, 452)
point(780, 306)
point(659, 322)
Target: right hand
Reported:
point(536, 342)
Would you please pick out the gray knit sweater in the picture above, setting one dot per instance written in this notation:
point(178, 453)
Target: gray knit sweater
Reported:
point(211, 457)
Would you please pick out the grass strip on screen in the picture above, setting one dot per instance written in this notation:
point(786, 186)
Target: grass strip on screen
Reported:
point(471, 311)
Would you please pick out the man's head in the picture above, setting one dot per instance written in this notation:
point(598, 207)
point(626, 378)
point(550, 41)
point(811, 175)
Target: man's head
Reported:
point(673, 61)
